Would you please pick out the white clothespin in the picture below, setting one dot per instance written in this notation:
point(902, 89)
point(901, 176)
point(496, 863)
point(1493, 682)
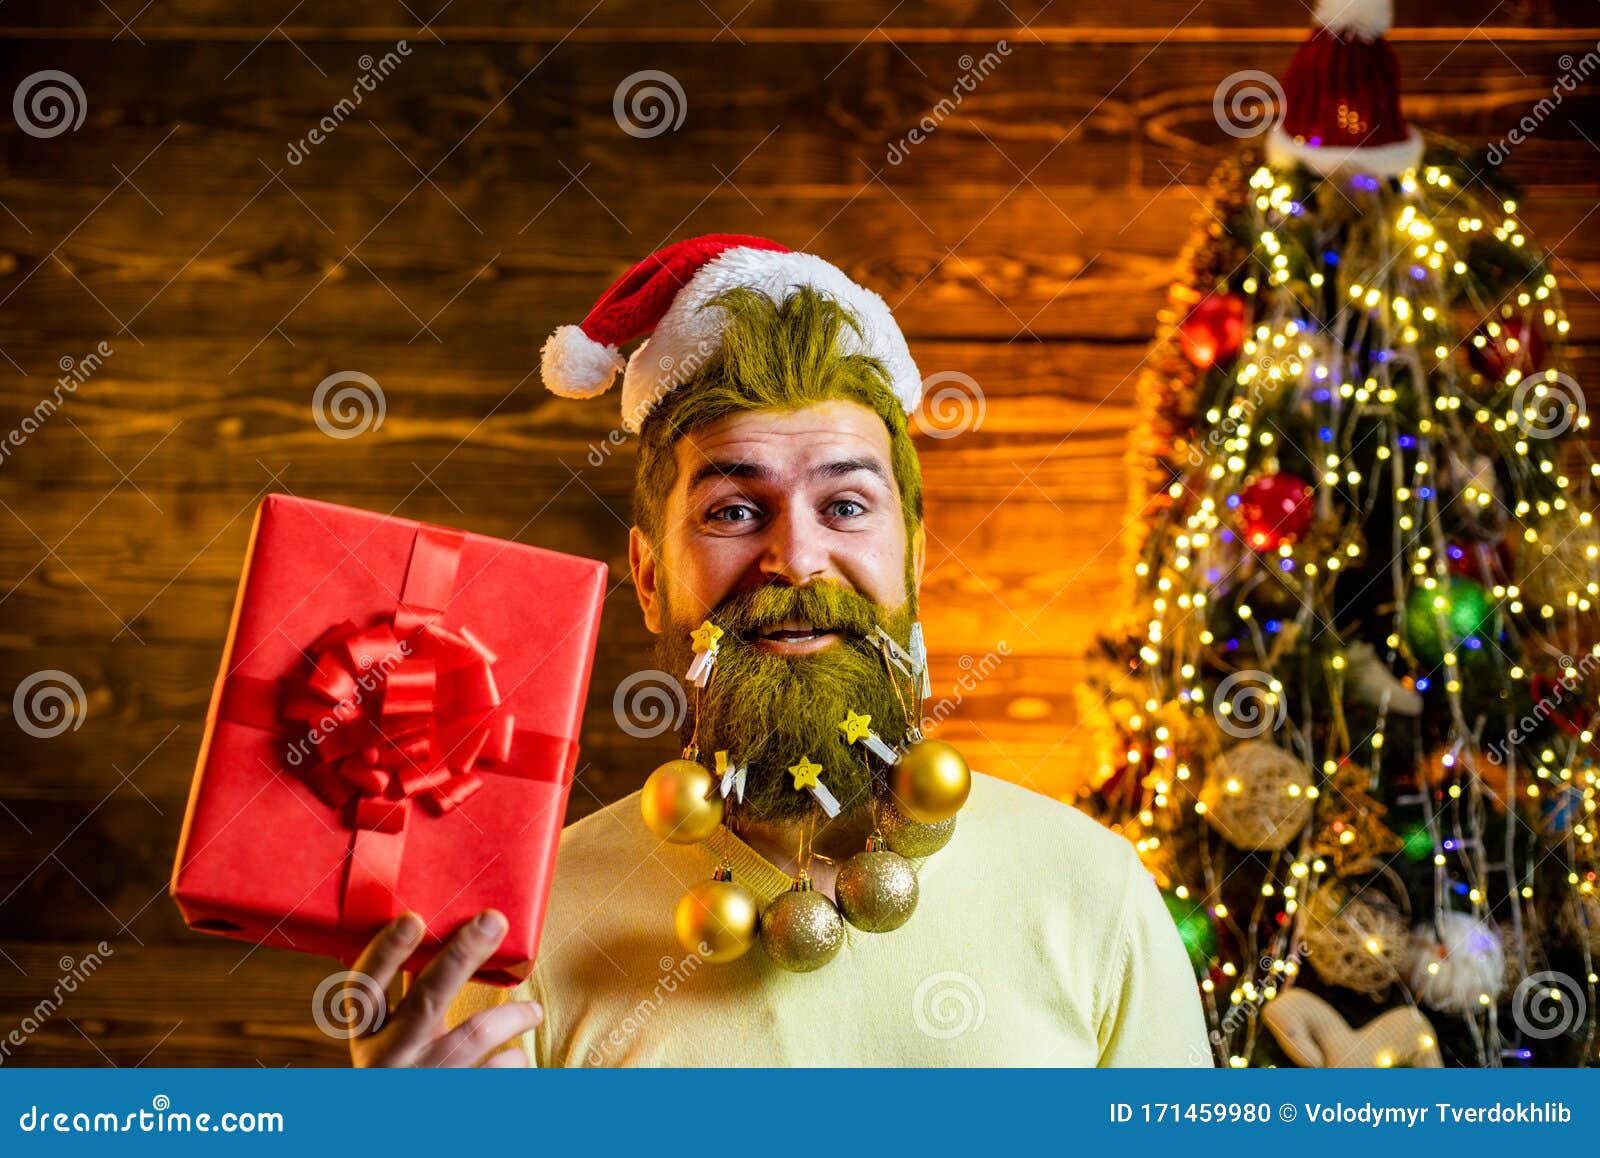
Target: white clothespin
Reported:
point(706, 639)
point(855, 729)
point(805, 776)
point(732, 776)
point(892, 650)
point(919, 659)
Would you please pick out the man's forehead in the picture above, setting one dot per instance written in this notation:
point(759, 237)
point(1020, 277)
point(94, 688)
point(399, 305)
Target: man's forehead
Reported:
point(787, 441)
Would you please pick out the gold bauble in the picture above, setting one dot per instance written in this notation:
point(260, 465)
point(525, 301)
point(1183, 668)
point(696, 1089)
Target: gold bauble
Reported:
point(931, 781)
point(716, 919)
point(876, 889)
point(910, 839)
point(801, 930)
point(678, 804)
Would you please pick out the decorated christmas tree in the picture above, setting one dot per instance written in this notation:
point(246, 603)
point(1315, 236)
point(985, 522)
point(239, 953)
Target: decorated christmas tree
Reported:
point(1348, 726)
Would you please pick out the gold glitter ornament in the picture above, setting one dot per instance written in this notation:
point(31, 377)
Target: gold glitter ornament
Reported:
point(930, 782)
point(911, 839)
point(716, 919)
point(876, 889)
point(678, 803)
point(801, 930)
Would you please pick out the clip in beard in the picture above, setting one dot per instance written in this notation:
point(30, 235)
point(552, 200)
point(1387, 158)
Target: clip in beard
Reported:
point(919, 659)
point(856, 731)
point(732, 776)
point(805, 776)
point(892, 651)
point(706, 639)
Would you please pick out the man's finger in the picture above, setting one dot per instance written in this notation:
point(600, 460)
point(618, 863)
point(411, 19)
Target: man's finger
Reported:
point(467, 1043)
point(424, 1007)
point(513, 1059)
point(385, 953)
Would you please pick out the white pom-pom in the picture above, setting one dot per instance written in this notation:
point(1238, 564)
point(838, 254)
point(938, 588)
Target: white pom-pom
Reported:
point(1457, 964)
point(1368, 19)
point(574, 365)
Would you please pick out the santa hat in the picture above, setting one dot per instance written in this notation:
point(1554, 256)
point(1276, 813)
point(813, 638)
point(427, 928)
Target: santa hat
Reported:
point(667, 295)
point(1342, 96)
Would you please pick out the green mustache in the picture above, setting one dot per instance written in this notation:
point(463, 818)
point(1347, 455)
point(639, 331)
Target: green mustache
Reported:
point(824, 605)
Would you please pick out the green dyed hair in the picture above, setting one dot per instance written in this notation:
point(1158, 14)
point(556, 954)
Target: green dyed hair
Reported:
point(774, 356)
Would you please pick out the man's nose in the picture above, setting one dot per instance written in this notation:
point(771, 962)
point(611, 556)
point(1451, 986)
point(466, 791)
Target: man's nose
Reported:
point(796, 551)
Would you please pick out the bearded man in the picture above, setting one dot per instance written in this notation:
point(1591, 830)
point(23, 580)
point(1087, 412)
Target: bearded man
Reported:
point(779, 500)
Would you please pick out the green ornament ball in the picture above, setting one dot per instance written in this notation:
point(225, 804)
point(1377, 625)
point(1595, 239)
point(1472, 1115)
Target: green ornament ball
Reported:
point(1466, 611)
point(1195, 928)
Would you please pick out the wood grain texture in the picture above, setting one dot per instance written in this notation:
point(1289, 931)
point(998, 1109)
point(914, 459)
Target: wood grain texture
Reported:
point(482, 193)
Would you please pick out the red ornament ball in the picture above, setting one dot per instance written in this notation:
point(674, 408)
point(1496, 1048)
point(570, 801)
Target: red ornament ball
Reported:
point(1214, 330)
point(1514, 345)
point(1275, 509)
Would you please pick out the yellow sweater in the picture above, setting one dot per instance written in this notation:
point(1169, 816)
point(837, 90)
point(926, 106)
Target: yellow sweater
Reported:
point(1038, 940)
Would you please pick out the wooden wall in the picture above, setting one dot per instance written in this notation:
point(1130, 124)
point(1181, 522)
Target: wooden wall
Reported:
point(484, 193)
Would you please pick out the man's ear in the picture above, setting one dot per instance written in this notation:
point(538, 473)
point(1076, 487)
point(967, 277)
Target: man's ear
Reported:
point(642, 563)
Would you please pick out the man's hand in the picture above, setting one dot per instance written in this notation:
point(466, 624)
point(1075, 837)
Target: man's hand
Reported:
point(414, 1032)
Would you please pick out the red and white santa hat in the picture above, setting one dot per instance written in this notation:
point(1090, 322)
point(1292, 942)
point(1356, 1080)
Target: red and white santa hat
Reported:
point(1342, 96)
point(666, 295)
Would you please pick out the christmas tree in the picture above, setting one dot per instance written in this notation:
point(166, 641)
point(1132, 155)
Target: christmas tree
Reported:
point(1348, 725)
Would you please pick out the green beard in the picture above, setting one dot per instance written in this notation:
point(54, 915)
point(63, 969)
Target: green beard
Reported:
point(769, 710)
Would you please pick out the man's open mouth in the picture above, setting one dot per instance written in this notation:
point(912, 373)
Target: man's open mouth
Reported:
point(792, 633)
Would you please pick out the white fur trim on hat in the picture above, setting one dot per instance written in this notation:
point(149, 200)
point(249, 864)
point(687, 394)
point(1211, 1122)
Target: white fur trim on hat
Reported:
point(688, 335)
point(1389, 160)
point(1368, 19)
point(574, 365)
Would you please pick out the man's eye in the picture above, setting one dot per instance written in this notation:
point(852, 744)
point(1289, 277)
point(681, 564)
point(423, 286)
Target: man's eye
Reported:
point(734, 513)
point(846, 509)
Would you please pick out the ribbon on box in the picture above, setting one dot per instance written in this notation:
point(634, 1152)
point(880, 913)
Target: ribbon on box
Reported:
point(401, 713)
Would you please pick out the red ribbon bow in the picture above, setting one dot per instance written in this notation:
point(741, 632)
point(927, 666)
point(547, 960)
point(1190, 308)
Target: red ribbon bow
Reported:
point(392, 719)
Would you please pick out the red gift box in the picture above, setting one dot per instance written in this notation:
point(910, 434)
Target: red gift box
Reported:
point(395, 727)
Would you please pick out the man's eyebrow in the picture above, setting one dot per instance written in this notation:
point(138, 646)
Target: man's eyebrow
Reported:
point(715, 470)
point(847, 466)
point(839, 468)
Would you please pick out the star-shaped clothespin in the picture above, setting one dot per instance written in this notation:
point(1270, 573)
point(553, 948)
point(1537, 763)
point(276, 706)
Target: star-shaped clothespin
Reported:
point(806, 775)
point(732, 776)
point(856, 731)
point(705, 638)
point(919, 659)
